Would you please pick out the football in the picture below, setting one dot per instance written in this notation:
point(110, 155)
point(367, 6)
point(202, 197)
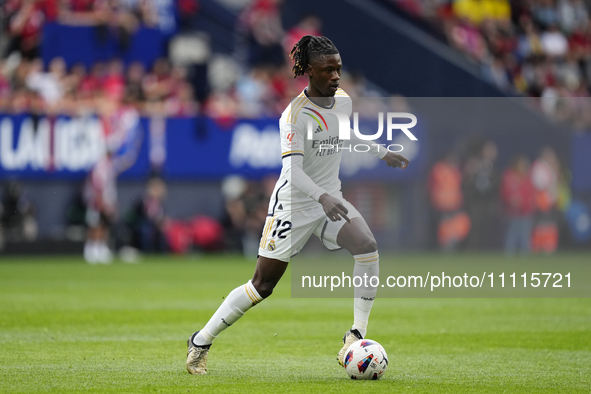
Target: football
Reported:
point(365, 360)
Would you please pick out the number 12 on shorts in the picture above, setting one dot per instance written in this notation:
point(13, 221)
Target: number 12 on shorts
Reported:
point(281, 228)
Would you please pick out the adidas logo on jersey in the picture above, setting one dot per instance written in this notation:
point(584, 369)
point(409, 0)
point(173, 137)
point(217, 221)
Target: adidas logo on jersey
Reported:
point(318, 130)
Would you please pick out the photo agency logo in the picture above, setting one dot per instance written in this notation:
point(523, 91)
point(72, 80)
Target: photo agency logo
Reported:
point(317, 124)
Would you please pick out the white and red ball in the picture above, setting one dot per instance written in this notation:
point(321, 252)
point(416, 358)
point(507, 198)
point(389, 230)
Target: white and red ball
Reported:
point(365, 360)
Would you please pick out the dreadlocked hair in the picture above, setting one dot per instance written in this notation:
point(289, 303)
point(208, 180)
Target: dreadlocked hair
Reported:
point(308, 48)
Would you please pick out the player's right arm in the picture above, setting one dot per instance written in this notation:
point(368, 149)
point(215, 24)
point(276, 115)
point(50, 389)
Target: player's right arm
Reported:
point(292, 154)
point(334, 208)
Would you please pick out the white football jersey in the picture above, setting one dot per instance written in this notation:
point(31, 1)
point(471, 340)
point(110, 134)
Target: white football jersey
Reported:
point(320, 161)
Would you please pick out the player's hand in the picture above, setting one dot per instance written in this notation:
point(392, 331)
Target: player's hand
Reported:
point(396, 160)
point(334, 208)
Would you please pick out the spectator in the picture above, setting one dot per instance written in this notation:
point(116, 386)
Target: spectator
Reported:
point(132, 13)
point(544, 13)
point(72, 81)
point(134, 79)
point(255, 93)
point(91, 84)
point(235, 213)
point(223, 107)
point(481, 190)
point(572, 15)
point(25, 24)
point(517, 195)
point(466, 38)
point(445, 193)
point(498, 11)
point(310, 24)
point(529, 43)
point(183, 103)
point(113, 84)
point(5, 87)
point(262, 22)
point(246, 210)
point(554, 42)
point(497, 74)
point(17, 214)
point(158, 84)
point(85, 13)
point(544, 176)
point(470, 10)
point(148, 221)
point(49, 85)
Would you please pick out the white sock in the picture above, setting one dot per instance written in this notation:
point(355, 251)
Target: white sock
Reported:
point(104, 253)
point(90, 252)
point(365, 264)
point(233, 308)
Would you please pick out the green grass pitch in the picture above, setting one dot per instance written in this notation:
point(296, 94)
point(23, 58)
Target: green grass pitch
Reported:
point(69, 327)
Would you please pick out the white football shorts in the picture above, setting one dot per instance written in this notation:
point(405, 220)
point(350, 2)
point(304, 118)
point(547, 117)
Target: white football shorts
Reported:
point(286, 232)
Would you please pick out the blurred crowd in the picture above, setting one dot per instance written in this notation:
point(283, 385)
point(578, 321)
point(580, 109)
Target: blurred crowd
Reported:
point(538, 48)
point(260, 84)
point(121, 18)
point(529, 202)
point(29, 86)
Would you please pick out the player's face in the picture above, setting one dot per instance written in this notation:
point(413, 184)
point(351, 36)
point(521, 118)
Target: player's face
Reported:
point(325, 74)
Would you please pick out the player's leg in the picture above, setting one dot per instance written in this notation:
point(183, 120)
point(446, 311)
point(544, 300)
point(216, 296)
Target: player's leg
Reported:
point(241, 299)
point(105, 255)
point(283, 235)
point(267, 274)
point(94, 247)
point(91, 245)
point(358, 239)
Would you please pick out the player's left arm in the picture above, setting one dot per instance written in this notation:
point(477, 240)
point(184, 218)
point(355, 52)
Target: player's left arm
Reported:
point(396, 160)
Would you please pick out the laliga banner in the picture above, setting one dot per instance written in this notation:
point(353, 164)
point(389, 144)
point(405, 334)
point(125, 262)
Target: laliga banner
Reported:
point(194, 148)
point(31, 145)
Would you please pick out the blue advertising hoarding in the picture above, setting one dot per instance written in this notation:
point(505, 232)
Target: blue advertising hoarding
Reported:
point(191, 148)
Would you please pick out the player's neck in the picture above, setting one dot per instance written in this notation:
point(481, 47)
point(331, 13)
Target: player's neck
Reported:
point(318, 98)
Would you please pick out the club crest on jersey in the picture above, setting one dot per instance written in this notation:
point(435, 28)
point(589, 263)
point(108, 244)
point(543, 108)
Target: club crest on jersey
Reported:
point(271, 246)
point(316, 119)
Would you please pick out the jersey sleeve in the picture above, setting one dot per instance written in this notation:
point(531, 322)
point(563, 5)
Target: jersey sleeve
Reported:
point(293, 143)
point(377, 150)
point(292, 140)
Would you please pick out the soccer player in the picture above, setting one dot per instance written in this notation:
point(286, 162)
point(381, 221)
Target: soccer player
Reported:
point(100, 195)
point(307, 200)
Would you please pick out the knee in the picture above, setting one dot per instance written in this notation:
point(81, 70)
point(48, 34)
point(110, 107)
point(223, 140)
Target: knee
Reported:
point(265, 289)
point(366, 245)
